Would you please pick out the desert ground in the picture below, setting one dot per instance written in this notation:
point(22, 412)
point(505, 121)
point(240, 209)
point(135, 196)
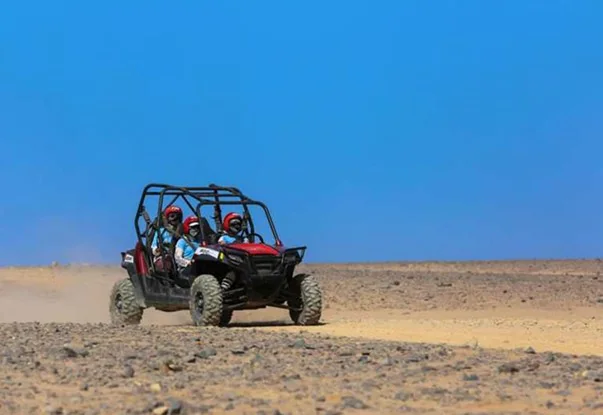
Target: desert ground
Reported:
point(500, 337)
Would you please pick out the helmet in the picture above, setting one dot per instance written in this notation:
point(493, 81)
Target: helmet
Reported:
point(173, 214)
point(233, 222)
point(191, 225)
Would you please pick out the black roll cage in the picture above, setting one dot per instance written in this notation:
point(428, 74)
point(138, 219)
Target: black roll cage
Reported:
point(205, 195)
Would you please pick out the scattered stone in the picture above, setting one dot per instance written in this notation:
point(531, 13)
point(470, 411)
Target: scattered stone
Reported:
point(402, 396)
point(352, 402)
point(415, 358)
point(470, 378)
point(238, 351)
point(53, 410)
point(174, 406)
point(530, 350)
point(299, 344)
point(160, 410)
point(387, 361)
point(509, 367)
point(128, 371)
point(363, 359)
point(72, 351)
point(594, 375)
point(206, 353)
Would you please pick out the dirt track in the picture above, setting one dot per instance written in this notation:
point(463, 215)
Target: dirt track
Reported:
point(363, 349)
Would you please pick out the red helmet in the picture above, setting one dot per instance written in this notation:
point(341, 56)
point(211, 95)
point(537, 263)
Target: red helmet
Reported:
point(171, 210)
point(188, 222)
point(229, 218)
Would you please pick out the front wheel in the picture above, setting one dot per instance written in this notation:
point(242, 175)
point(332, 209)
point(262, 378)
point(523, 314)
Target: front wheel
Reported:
point(122, 304)
point(206, 301)
point(308, 299)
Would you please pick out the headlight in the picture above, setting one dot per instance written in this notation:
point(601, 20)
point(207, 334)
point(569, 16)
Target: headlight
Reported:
point(292, 257)
point(234, 258)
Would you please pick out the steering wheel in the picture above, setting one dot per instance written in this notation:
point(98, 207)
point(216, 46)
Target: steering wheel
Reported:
point(249, 234)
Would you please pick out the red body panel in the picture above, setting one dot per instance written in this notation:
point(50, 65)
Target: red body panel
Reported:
point(255, 249)
point(141, 265)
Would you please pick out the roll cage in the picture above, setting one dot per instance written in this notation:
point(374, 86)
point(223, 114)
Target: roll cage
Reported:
point(195, 198)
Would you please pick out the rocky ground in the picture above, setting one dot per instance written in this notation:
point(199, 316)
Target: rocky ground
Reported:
point(73, 362)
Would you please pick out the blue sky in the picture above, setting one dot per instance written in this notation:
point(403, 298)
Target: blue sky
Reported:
point(391, 130)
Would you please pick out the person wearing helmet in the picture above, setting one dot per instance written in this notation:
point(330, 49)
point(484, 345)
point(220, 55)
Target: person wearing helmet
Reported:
point(188, 243)
point(172, 218)
point(233, 225)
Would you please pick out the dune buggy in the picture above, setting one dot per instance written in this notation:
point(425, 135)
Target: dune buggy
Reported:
point(224, 278)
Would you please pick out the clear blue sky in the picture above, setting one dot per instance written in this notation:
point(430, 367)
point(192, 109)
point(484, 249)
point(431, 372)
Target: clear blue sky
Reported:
point(390, 130)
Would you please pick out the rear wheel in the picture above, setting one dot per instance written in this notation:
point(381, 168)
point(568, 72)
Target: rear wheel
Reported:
point(206, 301)
point(123, 306)
point(308, 298)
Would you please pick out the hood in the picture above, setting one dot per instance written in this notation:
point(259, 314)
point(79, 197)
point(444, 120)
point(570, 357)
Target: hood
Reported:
point(255, 249)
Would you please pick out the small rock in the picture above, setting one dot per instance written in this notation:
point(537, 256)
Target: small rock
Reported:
point(70, 351)
point(352, 402)
point(238, 351)
point(415, 358)
point(161, 410)
point(470, 378)
point(549, 404)
point(530, 350)
point(594, 375)
point(508, 368)
point(191, 359)
point(402, 396)
point(174, 367)
point(363, 359)
point(174, 406)
point(128, 371)
point(155, 387)
point(301, 344)
point(206, 353)
point(388, 361)
point(53, 410)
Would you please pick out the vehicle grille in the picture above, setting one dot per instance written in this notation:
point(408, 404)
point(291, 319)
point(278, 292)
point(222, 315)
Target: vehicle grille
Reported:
point(265, 264)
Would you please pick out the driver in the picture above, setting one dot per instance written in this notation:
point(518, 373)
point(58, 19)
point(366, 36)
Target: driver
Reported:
point(172, 218)
point(184, 251)
point(233, 225)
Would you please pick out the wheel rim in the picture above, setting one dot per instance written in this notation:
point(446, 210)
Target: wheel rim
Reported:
point(119, 303)
point(199, 303)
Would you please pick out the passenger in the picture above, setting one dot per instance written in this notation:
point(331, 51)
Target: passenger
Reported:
point(233, 225)
point(172, 218)
point(184, 251)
